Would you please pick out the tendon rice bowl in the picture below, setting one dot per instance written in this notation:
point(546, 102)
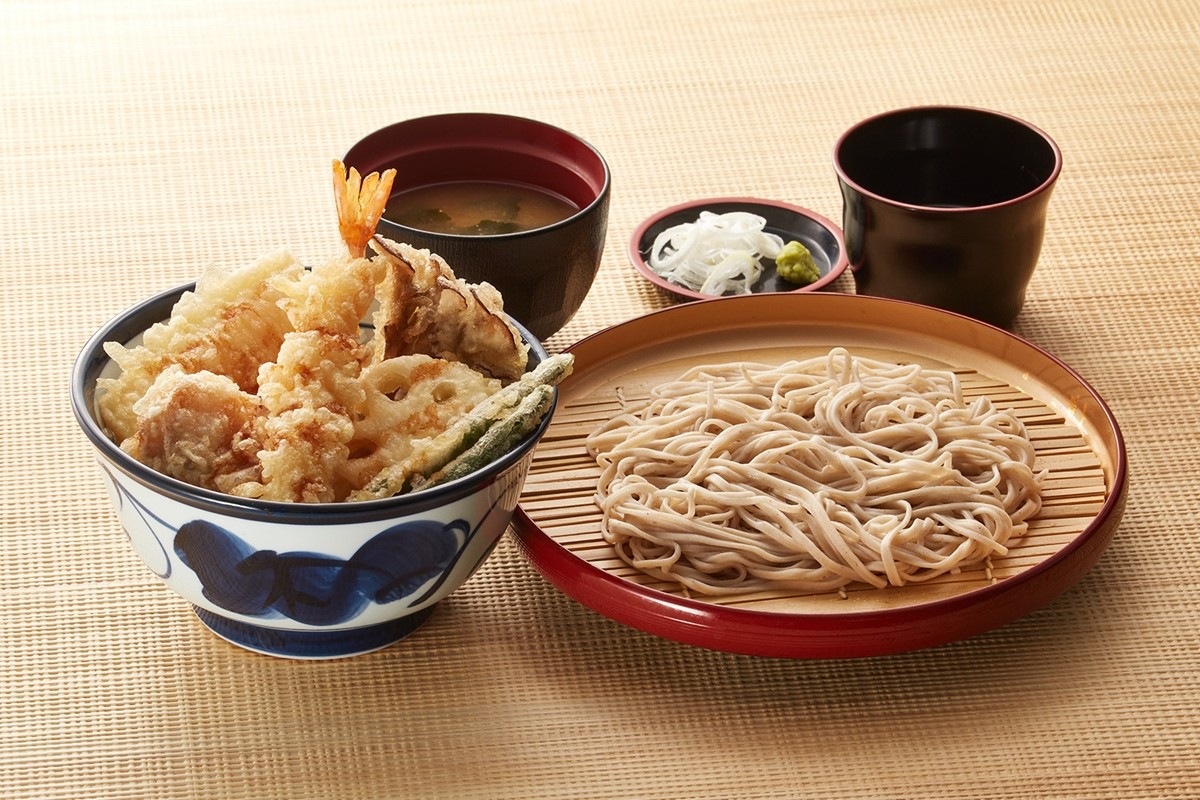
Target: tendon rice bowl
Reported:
point(300, 580)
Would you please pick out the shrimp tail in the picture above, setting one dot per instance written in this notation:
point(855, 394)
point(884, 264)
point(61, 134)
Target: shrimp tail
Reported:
point(360, 204)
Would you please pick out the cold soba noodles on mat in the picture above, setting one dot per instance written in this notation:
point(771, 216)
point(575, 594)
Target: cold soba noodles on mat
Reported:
point(812, 475)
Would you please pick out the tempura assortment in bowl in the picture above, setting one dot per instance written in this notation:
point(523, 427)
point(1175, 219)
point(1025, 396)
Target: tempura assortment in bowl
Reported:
point(265, 383)
point(314, 457)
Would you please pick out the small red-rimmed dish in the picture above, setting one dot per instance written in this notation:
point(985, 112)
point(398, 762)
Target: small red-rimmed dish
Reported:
point(1075, 436)
point(790, 222)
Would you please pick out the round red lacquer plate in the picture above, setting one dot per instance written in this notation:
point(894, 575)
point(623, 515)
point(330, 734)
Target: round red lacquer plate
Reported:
point(1076, 437)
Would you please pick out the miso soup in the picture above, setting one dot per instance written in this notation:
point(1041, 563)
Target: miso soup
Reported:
point(477, 208)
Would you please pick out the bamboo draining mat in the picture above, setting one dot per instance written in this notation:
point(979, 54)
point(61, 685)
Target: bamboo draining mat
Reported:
point(144, 141)
point(559, 497)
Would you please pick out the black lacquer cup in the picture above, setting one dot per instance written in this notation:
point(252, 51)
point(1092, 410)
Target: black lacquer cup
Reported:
point(946, 206)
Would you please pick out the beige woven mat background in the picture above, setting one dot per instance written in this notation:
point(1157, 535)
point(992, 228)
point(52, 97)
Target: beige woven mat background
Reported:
point(140, 142)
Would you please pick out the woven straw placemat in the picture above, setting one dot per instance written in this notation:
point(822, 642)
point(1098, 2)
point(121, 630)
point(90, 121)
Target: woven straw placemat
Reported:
point(141, 142)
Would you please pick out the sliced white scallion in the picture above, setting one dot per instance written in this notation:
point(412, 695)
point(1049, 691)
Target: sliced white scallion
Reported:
point(715, 255)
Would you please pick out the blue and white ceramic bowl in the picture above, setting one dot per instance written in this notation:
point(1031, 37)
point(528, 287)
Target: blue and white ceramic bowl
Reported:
point(291, 579)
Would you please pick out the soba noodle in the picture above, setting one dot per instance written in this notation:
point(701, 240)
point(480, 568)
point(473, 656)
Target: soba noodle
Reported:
point(813, 475)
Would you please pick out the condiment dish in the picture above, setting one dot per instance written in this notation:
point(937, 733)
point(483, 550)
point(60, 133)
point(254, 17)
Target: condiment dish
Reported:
point(819, 235)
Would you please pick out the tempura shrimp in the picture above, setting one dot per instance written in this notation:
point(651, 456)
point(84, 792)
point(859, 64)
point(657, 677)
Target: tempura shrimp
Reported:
point(311, 391)
point(360, 204)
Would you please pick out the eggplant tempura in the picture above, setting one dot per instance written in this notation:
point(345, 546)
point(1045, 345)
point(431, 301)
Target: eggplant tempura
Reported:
point(263, 385)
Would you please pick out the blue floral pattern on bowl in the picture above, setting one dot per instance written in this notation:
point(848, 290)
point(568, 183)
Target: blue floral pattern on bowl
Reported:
point(407, 564)
point(316, 588)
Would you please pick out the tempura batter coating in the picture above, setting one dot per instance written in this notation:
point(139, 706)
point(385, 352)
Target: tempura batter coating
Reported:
point(409, 401)
point(229, 325)
point(311, 391)
point(200, 428)
point(264, 382)
point(424, 308)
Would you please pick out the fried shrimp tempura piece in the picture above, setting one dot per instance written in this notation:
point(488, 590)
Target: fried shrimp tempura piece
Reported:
point(200, 428)
point(424, 308)
point(360, 203)
point(310, 395)
point(229, 325)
